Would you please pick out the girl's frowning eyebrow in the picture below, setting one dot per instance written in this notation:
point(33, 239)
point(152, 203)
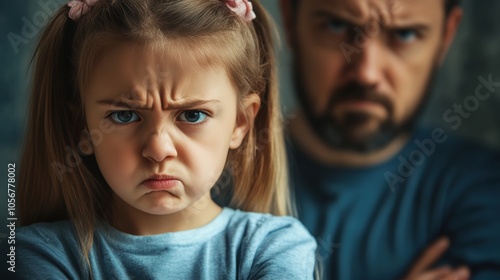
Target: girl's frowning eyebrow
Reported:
point(134, 104)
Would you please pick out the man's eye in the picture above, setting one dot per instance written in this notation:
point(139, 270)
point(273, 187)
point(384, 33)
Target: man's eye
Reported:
point(337, 26)
point(192, 116)
point(124, 117)
point(405, 35)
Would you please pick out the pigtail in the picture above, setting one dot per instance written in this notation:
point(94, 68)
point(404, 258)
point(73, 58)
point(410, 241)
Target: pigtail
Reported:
point(54, 183)
point(36, 187)
point(261, 183)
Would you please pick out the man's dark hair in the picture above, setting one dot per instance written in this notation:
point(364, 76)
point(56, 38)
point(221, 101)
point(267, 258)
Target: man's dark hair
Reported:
point(449, 4)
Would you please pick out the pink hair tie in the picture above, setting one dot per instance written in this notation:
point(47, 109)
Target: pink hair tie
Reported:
point(242, 8)
point(80, 8)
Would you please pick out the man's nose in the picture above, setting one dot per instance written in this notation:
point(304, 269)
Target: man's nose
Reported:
point(366, 67)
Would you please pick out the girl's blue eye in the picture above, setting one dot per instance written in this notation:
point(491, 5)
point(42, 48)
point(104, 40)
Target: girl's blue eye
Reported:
point(406, 35)
point(193, 116)
point(337, 26)
point(124, 117)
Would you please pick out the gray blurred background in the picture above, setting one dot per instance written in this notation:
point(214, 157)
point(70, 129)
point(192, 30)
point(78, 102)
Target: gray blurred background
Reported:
point(476, 52)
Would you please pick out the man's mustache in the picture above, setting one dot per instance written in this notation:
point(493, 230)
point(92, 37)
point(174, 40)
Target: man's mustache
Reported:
point(358, 92)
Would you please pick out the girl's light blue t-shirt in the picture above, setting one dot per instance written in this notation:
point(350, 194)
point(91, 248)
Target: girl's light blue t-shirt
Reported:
point(235, 245)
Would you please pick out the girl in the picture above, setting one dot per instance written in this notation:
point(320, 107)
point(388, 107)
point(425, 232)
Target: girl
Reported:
point(138, 106)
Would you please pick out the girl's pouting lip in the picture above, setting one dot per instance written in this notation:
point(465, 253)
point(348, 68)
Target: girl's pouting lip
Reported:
point(161, 182)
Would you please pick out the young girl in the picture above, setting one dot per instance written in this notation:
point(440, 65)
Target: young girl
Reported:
point(138, 106)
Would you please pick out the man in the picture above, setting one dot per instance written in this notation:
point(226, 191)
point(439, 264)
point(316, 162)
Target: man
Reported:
point(372, 186)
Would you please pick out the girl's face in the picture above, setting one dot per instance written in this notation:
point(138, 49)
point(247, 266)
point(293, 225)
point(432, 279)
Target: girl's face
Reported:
point(161, 129)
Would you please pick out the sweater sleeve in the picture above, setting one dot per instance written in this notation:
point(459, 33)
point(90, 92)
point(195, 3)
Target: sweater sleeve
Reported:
point(284, 249)
point(474, 223)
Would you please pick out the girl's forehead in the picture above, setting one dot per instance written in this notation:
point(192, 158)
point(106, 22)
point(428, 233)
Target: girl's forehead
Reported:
point(172, 56)
point(155, 60)
point(140, 74)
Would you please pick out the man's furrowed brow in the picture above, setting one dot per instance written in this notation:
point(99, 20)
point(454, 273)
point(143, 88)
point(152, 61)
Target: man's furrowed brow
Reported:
point(326, 14)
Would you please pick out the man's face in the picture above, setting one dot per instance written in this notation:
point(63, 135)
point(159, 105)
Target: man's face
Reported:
point(363, 66)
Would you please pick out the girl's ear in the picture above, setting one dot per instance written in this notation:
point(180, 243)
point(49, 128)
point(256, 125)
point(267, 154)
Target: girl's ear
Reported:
point(85, 146)
point(245, 119)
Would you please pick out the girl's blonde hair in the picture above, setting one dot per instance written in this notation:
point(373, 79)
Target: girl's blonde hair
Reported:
point(56, 183)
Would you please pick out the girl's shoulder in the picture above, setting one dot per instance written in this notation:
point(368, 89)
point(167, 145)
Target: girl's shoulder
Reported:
point(255, 228)
point(274, 247)
point(55, 237)
point(47, 251)
point(253, 221)
point(46, 232)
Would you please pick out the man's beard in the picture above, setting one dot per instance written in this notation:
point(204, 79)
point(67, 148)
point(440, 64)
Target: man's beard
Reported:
point(337, 133)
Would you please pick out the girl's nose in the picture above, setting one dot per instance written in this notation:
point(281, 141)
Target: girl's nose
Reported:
point(158, 147)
